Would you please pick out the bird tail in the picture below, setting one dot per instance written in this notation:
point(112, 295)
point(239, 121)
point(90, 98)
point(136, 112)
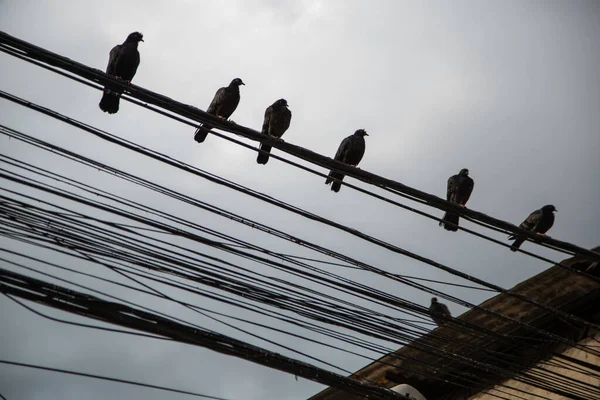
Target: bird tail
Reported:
point(202, 133)
point(450, 222)
point(517, 243)
point(336, 185)
point(110, 101)
point(263, 158)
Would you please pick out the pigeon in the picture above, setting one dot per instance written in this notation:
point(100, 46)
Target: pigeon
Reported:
point(222, 106)
point(277, 121)
point(539, 221)
point(439, 312)
point(459, 190)
point(351, 151)
point(123, 62)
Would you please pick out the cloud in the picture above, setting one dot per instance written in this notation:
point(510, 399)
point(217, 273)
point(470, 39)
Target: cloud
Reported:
point(508, 90)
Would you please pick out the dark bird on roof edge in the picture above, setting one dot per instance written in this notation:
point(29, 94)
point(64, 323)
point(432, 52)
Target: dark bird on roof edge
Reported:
point(439, 312)
point(223, 104)
point(539, 221)
point(123, 62)
point(351, 151)
point(277, 120)
point(459, 191)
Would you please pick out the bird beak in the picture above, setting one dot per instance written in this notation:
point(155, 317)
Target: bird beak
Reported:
point(366, 134)
point(243, 84)
point(141, 40)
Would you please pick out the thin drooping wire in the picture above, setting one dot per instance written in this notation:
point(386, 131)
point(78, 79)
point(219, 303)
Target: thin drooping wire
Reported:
point(31, 53)
point(566, 367)
point(495, 395)
point(438, 265)
point(106, 378)
point(83, 304)
point(179, 232)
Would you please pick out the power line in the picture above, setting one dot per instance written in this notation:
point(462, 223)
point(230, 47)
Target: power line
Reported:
point(346, 229)
point(106, 378)
point(93, 307)
point(12, 45)
point(276, 146)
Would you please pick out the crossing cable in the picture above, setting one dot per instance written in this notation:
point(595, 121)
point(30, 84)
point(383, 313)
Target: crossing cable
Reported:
point(564, 367)
point(245, 190)
point(253, 223)
point(105, 378)
point(78, 303)
point(372, 194)
point(12, 45)
point(270, 200)
point(188, 235)
point(313, 171)
point(492, 394)
point(509, 387)
point(79, 125)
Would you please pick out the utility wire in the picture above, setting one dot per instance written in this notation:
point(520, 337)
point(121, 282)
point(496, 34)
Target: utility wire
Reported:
point(437, 265)
point(90, 306)
point(12, 45)
point(106, 378)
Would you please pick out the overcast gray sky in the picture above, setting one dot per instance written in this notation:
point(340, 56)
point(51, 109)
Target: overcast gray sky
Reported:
point(508, 89)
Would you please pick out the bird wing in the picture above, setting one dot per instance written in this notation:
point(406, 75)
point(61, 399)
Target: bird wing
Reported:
point(464, 190)
point(267, 120)
point(444, 309)
point(280, 122)
point(531, 221)
point(452, 185)
point(343, 150)
point(112, 60)
point(126, 62)
point(217, 101)
point(356, 151)
point(545, 223)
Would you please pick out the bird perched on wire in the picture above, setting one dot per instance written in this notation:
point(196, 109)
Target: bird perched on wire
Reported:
point(123, 62)
point(277, 120)
point(351, 151)
point(460, 187)
point(439, 312)
point(539, 221)
point(222, 106)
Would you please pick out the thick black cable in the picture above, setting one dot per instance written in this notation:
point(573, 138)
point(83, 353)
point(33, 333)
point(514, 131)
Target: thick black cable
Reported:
point(420, 258)
point(12, 45)
point(190, 236)
point(27, 287)
point(192, 113)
